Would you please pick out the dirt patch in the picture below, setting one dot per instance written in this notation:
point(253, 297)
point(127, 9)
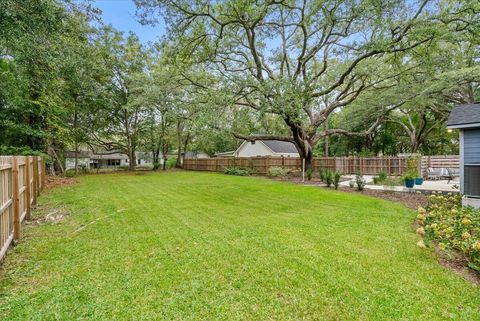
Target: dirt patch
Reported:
point(48, 215)
point(58, 181)
point(411, 200)
point(458, 263)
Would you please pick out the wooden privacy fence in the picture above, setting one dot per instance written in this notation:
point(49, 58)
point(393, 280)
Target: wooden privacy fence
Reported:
point(22, 178)
point(440, 161)
point(346, 165)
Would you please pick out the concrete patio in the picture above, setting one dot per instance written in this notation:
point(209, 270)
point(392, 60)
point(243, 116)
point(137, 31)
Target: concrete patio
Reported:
point(427, 186)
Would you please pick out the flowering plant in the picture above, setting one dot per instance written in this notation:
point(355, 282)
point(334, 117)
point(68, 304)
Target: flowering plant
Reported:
point(451, 226)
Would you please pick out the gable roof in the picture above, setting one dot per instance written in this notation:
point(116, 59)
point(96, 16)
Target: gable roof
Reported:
point(463, 116)
point(281, 147)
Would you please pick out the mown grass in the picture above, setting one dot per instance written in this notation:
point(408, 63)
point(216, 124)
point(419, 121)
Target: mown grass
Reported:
point(198, 246)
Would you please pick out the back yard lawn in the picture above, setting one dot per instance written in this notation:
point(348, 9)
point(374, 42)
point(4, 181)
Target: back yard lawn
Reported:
point(187, 245)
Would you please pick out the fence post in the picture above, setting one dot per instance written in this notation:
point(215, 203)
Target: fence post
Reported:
point(27, 187)
point(44, 173)
point(16, 199)
point(35, 179)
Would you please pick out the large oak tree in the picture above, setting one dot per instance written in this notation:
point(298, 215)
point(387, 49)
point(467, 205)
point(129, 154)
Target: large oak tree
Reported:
point(300, 60)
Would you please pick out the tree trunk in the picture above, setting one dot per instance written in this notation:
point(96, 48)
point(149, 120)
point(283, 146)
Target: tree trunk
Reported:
point(164, 162)
point(75, 124)
point(132, 161)
point(178, 164)
point(327, 138)
point(54, 157)
point(156, 159)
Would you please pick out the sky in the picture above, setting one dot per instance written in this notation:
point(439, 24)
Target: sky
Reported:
point(121, 15)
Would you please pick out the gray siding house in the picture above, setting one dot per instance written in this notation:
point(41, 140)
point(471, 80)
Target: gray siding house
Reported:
point(466, 118)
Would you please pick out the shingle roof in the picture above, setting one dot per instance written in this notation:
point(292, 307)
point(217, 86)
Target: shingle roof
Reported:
point(81, 154)
point(278, 146)
point(464, 115)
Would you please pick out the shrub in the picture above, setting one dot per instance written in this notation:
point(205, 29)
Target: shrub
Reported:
point(322, 173)
point(171, 162)
point(70, 173)
point(329, 178)
point(382, 176)
point(309, 173)
point(412, 167)
point(336, 179)
point(238, 171)
point(275, 171)
point(360, 181)
point(451, 226)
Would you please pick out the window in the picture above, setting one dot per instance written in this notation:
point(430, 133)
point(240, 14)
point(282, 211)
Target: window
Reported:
point(139, 162)
point(113, 162)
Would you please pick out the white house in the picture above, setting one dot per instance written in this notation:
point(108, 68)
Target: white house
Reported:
point(90, 160)
point(197, 155)
point(260, 147)
point(466, 118)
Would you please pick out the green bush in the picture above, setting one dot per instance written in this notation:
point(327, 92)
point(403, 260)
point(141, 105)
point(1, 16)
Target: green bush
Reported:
point(276, 171)
point(382, 176)
point(309, 173)
point(238, 171)
point(323, 175)
point(171, 162)
point(336, 179)
point(360, 181)
point(70, 173)
point(412, 167)
point(329, 178)
point(451, 226)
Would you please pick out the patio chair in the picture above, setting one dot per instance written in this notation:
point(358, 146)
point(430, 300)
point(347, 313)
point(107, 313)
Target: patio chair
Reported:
point(452, 173)
point(434, 173)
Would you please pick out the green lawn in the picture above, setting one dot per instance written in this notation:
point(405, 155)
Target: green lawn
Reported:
point(198, 246)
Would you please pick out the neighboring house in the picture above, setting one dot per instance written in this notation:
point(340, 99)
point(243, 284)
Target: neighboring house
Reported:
point(90, 160)
point(259, 147)
point(83, 159)
point(225, 154)
point(466, 118)
point(197, 155)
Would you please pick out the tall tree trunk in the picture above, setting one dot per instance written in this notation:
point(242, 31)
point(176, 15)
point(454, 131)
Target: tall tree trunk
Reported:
point(54, 157)
point(156, 158)
point(132, 160)
point(75, 134)
point(327, 138)
point(178, 164)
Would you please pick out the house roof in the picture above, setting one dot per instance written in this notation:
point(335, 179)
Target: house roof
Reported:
point(109, 156)
point(463, 116)
point(193, 154)
point(229, 153)
point(278, 146)
point(81, 154)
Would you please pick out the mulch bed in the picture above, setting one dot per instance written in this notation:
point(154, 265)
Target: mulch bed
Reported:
point(58, 181)
point(410, 200)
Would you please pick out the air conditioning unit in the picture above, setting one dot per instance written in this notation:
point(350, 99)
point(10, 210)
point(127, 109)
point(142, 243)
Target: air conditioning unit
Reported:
point(472, 180)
